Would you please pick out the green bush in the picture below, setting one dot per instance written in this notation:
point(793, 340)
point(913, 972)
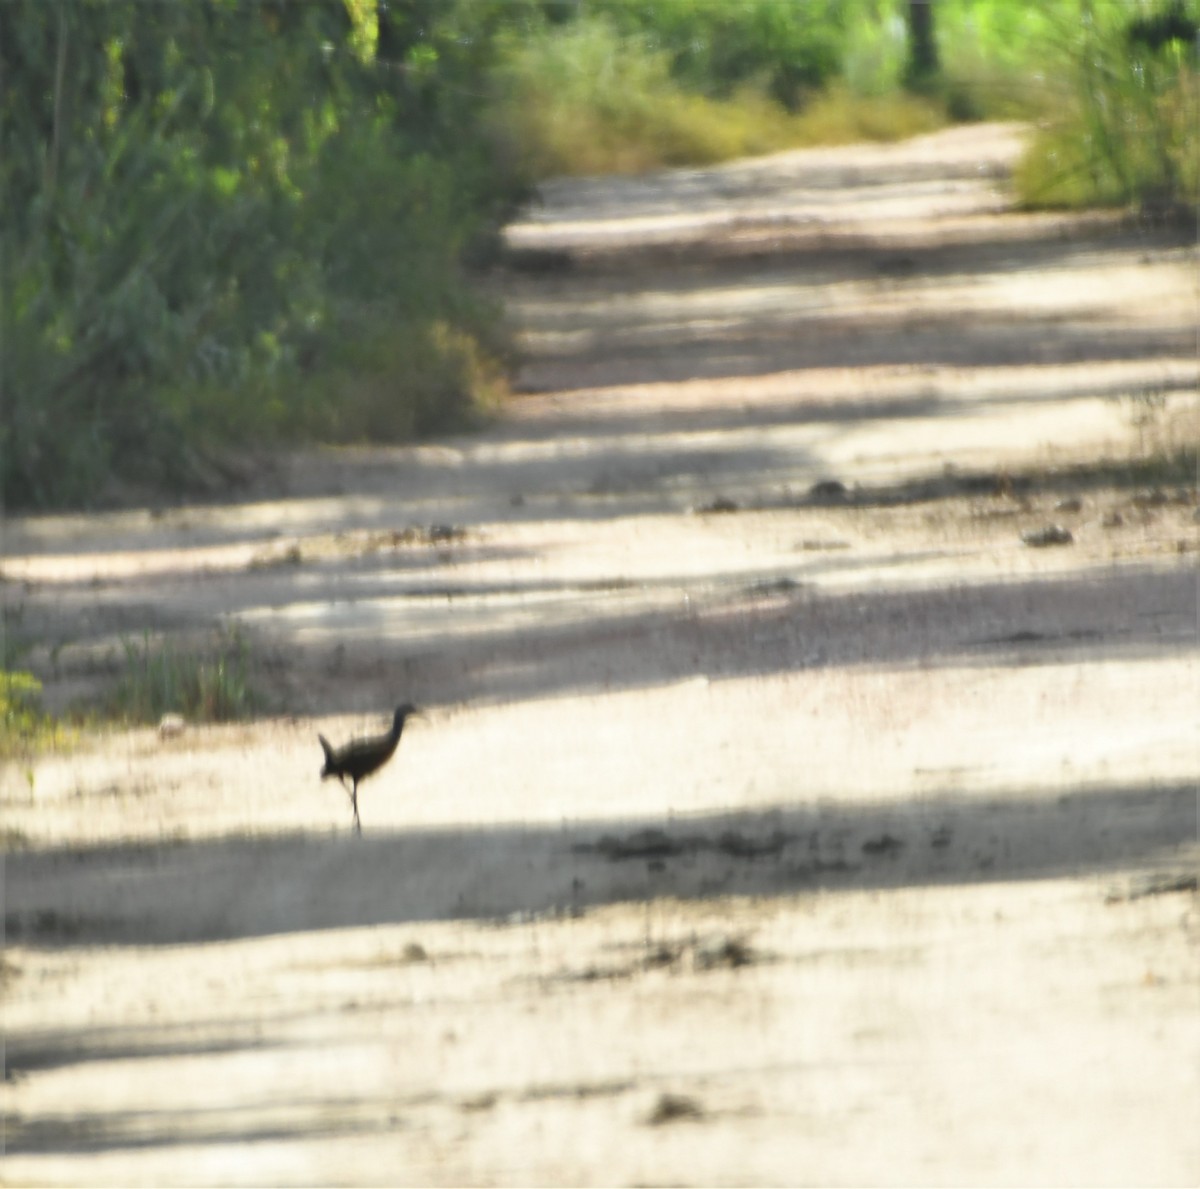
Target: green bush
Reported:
point(194, 193)
point(786, 51)
point(391, 381)
point(1127, 129)
point(24, 726)
point(839, 116)
point(587, 98)
point(583, 99)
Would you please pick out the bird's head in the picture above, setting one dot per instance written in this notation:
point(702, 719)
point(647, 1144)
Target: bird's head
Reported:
point(403, 712)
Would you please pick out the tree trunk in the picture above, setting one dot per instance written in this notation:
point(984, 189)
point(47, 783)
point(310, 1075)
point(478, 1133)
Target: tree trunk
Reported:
point(922, 45)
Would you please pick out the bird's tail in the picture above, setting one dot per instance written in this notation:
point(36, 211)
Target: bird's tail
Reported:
point(327, 770)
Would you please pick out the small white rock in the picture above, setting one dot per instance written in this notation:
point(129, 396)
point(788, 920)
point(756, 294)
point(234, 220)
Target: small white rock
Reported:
point(171, 725)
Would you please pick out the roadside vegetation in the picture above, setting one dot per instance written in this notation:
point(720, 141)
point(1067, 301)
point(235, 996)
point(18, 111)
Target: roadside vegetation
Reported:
point(1125, 128)
point(230, 226)
point(592, 97)
point(25, 727)
point(206, 684)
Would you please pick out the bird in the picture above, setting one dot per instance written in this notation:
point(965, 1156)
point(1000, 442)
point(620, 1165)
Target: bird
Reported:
point(359, 758)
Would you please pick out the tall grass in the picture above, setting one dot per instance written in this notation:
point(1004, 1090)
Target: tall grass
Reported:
point(585, 98)
point(1001, 60)
point(1127, 125)
point(208, 685)
point(391, 381)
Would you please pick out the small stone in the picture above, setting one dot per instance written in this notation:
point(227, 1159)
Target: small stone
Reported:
point(1112, 519)
point(1153, 497)
point(1071, 504)
point(674, 1108)
point(721, 504)
point(1052, 534)
point(885, 844)
point(828, 491)
point(723, 952)
point(170, 726)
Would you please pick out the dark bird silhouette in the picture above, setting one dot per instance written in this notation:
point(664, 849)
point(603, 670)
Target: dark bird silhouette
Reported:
point(360, 757)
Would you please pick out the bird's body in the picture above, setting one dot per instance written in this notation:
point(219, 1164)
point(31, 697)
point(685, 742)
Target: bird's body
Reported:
point(359, 758)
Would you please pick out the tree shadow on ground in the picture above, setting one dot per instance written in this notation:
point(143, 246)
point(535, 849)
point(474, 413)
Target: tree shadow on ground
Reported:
point(225, 888)
point(906, 339)
point(918, 400)
point(276, 1120)
point(748, 625)
point(863, 250)
point(711, 309)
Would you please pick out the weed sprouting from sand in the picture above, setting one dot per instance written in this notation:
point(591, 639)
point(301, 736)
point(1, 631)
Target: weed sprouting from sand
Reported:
point(204, 685)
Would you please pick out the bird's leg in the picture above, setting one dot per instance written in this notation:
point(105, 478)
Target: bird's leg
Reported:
point(352, 793)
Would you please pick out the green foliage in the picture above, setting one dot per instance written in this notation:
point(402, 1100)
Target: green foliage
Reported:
point(839, 116)
point(586, 98)
point(208, 686)
point(716, 48)
point(1127, 130)
point(193, 194)
point(992, 53)
point(449, 379)
point(999, 60)
point(583, 98)
point(635, 84)
point(24, 726)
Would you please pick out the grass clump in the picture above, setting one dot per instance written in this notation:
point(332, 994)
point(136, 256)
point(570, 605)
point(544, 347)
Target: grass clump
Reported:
point(393, 381)
point(203, 686)
point(1168, 437)
point(840, 116)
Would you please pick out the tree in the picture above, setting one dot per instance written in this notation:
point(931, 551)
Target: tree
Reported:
point(206, 203)
point(923, 63)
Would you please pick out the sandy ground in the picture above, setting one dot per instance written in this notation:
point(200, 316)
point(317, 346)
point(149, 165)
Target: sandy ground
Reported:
point(780, 815)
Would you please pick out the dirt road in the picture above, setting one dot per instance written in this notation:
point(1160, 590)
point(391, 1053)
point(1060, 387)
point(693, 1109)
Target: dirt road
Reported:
point(790, 809)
